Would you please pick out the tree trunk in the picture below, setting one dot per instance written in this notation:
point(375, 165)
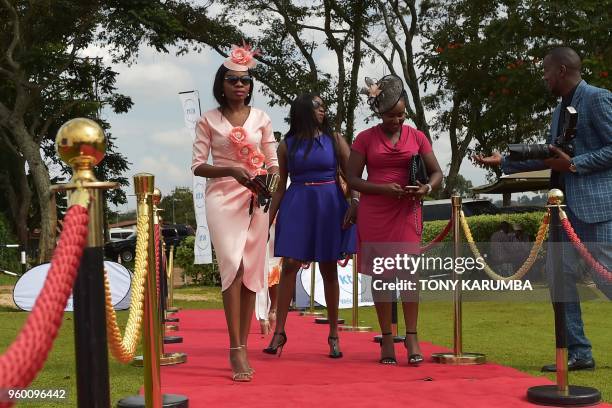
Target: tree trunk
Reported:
point(358, 11)
point(40, 177)
point(14, 184)
point(23, 196)
point(507, 199)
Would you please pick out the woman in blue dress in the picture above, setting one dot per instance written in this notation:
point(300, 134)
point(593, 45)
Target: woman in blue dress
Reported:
point(315, 221)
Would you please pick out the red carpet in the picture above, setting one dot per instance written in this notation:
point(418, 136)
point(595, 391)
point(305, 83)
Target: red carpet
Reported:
point(305, 376)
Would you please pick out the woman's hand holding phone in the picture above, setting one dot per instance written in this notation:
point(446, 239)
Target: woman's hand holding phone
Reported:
point(418, 191)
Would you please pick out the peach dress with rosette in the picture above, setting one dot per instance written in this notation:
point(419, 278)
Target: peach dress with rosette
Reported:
point(236, 236)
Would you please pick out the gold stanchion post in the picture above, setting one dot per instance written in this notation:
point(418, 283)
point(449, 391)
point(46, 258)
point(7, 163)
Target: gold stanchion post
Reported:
point(169, 286)
point(311, 309)
point(562, 394)
point(164, 358)
point(143, 186)
point(81, 143)
point(355, 320)
point(457, 357)
point(171, 308)
point(152, 347)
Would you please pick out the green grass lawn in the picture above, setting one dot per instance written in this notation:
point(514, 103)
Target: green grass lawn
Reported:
point(517, 334)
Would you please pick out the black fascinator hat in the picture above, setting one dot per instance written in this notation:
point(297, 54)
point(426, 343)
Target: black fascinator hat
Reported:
point(384, 93)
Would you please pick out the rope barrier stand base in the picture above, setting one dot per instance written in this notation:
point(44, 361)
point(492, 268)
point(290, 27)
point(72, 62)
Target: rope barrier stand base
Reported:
point(169, 401)
point(312, 314)
point(173, 339)
point(164, 360)
point(349, 328)
point(459, 359)
point(576, 396)
point(325, 320)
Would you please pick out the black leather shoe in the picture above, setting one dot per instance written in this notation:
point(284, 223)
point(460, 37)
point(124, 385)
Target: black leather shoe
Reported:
point(573, 364)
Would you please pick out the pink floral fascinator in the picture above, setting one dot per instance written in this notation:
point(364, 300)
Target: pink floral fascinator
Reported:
point(241, 58)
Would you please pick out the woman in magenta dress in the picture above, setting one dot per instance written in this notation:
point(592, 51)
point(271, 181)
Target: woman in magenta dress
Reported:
point(241, 141)
point(389, 212)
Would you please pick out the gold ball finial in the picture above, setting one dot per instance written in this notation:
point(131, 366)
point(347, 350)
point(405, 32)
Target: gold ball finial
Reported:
point(81, 144)
point(555, 197)
point(157, 196)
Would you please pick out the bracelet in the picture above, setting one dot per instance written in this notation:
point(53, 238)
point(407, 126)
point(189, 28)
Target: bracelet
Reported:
point(429, 188)
point(356, 199)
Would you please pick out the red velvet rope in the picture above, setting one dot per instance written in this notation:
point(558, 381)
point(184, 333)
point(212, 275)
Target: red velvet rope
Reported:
point(157, 257)
point(439, 237)
point(599, 268)
point(25, 357)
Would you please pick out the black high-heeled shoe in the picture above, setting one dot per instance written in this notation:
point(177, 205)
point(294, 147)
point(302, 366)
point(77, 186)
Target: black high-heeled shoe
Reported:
point(272, 349)
point(334, 351)
point(387, 360)
point(413, 358)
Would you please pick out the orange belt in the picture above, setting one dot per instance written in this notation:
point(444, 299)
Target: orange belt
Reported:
point(319, 183)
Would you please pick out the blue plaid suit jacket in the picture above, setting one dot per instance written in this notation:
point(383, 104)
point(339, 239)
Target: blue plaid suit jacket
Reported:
point(588, 192)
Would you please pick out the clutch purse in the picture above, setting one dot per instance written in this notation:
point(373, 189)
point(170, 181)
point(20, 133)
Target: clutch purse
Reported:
point(264, 185)
point(418, 171)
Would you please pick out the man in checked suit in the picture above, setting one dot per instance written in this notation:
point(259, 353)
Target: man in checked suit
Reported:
point(586, 180)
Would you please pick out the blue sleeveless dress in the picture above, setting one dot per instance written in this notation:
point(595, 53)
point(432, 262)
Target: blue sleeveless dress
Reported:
point(309, 221)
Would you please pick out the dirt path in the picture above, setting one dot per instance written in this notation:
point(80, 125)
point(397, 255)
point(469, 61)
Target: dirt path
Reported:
point(6, 297)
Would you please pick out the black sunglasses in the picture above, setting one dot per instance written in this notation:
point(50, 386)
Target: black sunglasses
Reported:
point(233, 79)
point(316, 104)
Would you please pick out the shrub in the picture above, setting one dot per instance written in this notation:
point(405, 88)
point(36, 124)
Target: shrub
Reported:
point(482, 227)
point(207, 275)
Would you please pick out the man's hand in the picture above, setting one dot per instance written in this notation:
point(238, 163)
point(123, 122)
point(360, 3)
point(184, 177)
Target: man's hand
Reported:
point(490, 161)
point(561, 162)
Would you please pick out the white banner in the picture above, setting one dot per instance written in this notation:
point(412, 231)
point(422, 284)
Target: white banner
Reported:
point(191, 108)
point(345, 280)
point(202, 250)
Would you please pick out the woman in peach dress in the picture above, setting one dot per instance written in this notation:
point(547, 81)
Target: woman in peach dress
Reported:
point(241, 141)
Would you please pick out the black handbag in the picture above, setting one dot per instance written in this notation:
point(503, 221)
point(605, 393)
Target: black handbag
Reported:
point(418, 171)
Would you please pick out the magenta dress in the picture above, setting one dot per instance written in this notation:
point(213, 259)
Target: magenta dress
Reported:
point(381, 218)
point(235, 235)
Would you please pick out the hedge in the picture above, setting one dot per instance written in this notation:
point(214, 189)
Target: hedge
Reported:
point(482, 227)
point(207, 275)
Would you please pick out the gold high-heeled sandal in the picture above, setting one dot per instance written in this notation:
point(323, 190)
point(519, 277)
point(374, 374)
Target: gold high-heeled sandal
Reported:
point(250, 369)
point(244, 376)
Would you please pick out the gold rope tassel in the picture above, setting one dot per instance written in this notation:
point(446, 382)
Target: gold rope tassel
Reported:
point(123, 349)
point(522, 271)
